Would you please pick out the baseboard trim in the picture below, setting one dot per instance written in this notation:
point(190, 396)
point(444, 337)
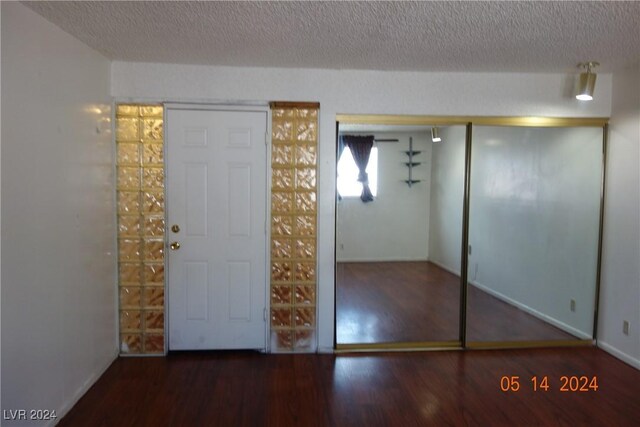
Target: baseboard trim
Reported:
point(66, 407)
point(629, 360)
point(535, 313)
point(384, 260)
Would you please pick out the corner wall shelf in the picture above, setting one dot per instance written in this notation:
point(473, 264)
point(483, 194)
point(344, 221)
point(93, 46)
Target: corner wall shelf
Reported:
point(411, 164)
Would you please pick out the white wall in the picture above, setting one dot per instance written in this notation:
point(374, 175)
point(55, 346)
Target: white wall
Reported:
point(447, 199)
point(620, 286)
point(395, 226)
point(534, 219)
point(58, 222)
point(358, 92)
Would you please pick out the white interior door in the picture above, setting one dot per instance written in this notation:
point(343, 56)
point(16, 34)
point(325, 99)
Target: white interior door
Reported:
point(216, 196)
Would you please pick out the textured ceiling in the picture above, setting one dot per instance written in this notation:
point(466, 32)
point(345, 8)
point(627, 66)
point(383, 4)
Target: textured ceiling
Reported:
point(429, 36)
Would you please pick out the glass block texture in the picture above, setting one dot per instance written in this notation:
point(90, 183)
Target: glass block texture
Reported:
point(293, 229)
point(140, 195)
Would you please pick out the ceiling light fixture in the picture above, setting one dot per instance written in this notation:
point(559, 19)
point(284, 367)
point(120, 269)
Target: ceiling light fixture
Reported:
point(587, 81)
point(435, 137)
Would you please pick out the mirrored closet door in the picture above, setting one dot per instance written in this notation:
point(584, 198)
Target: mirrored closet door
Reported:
point(399, 242)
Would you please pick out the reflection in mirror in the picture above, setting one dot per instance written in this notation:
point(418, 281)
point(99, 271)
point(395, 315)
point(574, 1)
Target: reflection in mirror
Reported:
point(398, 256)
point(533, 233)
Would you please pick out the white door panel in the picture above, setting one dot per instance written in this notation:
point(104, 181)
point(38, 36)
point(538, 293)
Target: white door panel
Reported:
point(216, 194)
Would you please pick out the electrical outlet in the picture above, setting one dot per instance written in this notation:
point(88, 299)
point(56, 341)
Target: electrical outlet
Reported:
point(625, 327)
point(572, 305)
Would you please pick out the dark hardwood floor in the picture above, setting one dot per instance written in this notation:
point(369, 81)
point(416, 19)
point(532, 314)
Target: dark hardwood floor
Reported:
point(454, 388)
point(418, 301)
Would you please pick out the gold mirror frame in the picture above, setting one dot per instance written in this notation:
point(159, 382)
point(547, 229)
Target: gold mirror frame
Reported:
point(469, 122)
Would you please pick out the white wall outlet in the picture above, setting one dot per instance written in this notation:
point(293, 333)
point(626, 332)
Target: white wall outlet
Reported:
point(625, 327)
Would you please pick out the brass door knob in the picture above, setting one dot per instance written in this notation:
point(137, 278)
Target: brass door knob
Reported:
point(174, 246)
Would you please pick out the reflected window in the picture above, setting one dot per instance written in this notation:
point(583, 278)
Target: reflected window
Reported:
point(348, 184)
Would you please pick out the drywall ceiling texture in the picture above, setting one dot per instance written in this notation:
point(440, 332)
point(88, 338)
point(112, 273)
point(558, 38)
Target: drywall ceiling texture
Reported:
point(421, 36)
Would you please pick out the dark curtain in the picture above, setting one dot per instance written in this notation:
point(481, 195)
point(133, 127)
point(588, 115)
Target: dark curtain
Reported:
point(360, 147)
point(340, 150)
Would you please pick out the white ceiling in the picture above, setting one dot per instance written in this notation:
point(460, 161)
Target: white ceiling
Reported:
point(525, 36)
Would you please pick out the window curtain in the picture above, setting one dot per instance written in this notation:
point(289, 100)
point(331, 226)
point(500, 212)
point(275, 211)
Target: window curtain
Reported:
point(360, 147)
point(341, 145)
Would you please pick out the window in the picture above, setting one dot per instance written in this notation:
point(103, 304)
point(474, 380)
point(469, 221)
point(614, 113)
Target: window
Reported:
point(348, 184)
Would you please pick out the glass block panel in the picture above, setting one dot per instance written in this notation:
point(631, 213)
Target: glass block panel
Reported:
point(153, 273)
point(128, 177)
point(127, 110)
point(306, 271)
point(153, 202)
point(305, 202)
point(304, 340)
point(129, 249)
point(281, 317)
point(130, 320)
point(282, 340)
point(154, 226)
point(154, 343)
point(154, 296)
point(305, 294)
point(127, 129)
point(131, 343)
point(306, 178)
point(280, 248)
point(128, 154)
point(282, 179)
point(152, 154)
point(307, 113)
point(306, 155)
point(151, 110)
point(154, 319)
point(129, 202)
point(153, 250)
point(306, 131)
point(153, 177)
point(130, 273)
point(281, 202)
point(283, 113)
point(281, 294)
point(305, 316)
point(128, 225)
point(281, 271)
point(305, 225)
point(282, 154)
point(130, 296)
point(281, 131)
point(306, 248)
point(281, 225)
point(152, 129)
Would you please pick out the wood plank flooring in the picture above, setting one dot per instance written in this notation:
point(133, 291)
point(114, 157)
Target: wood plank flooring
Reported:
point(419, 301)
point(454, 388)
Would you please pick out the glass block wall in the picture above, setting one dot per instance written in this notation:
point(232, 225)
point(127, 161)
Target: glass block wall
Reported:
point(140, 194)
point(293, 227)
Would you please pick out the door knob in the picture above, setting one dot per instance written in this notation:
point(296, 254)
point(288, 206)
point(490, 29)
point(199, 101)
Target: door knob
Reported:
point(174, 246)
point(175, 228)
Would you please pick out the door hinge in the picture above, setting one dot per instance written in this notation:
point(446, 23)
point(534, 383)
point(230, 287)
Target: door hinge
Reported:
point(264, 314)
point(266, 138)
